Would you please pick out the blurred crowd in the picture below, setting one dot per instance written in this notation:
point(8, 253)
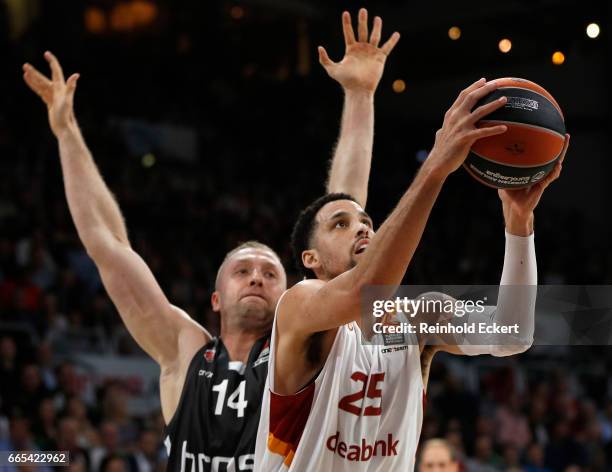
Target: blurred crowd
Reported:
point(264, 137)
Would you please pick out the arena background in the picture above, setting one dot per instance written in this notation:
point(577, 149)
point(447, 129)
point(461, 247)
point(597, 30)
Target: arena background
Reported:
point(213, 123)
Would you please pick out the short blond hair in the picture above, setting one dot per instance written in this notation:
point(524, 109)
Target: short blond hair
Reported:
point(252, 244)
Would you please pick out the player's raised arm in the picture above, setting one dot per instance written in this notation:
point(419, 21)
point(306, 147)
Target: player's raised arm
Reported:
point(166, 333)
point(312, 306)
point(358, 73)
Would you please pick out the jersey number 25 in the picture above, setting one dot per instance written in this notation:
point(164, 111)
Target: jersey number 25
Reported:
point(354, 402)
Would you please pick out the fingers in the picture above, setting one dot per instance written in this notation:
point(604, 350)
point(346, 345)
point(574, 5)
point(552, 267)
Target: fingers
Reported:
point(36, 81)
point(475, 95)
point(347, 29)
point(376, 31)
point(464, 92)
point(57, 75)
point(70, 89)
point(362, 25)
point(485, 110)
point(390, 44)
point(71, 84)
point(487, 131)
point(539, 188)
point(565, 146)
point(324, 58)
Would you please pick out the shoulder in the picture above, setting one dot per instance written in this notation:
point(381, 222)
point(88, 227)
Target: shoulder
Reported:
point(293, 306)
point(295, 300)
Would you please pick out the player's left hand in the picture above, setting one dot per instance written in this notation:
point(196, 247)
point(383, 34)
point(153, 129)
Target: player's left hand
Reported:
point(363, 63)
point(520, 203)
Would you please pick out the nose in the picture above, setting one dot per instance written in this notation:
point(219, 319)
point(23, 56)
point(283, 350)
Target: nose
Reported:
point(363, 231)
point(256, 278)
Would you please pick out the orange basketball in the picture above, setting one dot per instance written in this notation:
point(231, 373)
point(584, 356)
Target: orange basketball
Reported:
point(529, 149)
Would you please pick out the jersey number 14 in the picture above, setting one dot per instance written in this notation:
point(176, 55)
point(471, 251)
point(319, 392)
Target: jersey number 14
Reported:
point(235, 401)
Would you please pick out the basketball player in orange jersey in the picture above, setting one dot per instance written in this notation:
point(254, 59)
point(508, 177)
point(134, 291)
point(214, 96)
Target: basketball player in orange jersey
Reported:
point(210, 388)
point(333, 402)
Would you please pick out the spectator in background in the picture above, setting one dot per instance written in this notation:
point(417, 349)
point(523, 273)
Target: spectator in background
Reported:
point(148, 457)
point(605, 421)
point(45, 430)
point(538, 418)
point(512, 459)
point(55, 323)
point(31, 252)
point(77, 409)
point(21, 440)
point(115, 409)
point(32, 390)
point(66, 385)
point(45, 363)
point(485, 459)
point(20, 435)
point(109, 445)
point(9, 374)
point(535, 459)
point(563, 450)
point(511, 425)
point(68, 440)
point(114, 463)
point(437, 455)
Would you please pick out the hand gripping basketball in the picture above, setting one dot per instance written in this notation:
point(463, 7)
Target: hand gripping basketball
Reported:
point(459, 131)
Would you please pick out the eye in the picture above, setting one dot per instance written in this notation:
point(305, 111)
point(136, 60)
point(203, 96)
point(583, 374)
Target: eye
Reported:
point(242, 271)
point(341, 224)
point(271, 275)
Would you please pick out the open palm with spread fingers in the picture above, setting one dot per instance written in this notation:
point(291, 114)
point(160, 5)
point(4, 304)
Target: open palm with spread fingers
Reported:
point(364, 61)
point(57, 93)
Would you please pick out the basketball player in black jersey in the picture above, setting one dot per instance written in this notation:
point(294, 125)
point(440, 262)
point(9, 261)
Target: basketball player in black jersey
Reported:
point(210, 388)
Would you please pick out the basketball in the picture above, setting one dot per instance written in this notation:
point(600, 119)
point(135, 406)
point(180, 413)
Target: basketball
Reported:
point(529, 149)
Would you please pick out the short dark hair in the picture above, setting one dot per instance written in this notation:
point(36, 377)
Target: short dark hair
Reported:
point(301, 237)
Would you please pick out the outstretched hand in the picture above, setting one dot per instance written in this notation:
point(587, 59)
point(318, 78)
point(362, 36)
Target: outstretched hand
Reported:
point(57, 93)
point(364, 61)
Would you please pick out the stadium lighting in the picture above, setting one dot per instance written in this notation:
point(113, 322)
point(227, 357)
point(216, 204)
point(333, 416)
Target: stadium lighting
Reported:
point(558, 58)
point(454, 33)
point(505, 45)
point(399, 86)
point(592, 30)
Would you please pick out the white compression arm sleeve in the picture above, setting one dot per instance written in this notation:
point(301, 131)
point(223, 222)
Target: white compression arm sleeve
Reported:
point(515, 303)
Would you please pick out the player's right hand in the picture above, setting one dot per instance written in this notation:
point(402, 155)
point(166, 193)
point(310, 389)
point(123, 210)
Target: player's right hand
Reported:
point(459, 131)
point(57, 93)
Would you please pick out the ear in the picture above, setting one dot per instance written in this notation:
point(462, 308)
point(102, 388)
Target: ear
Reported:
point(310, 259)
point(215, 301)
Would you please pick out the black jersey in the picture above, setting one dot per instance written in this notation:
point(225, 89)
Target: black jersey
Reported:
point(215, 425)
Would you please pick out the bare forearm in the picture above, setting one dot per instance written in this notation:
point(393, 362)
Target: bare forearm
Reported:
point(95, 213)
point(350, 167)
point(392, 248)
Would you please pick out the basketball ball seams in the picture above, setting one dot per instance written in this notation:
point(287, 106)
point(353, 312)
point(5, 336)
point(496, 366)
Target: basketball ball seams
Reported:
point(520, 166)
point(523, 125)
point(473, 174)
